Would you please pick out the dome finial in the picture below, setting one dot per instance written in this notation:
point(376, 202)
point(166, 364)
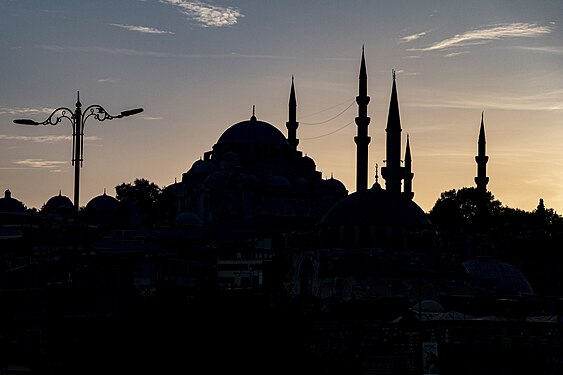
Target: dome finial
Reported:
point(104, 191)
point(253, 118)
point(394, 73)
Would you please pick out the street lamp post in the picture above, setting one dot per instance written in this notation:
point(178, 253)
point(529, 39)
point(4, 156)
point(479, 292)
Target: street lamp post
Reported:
point(78, 118)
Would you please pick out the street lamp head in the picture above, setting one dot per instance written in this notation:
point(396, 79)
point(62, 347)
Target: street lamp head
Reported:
point(131, 112)
point(25, 121)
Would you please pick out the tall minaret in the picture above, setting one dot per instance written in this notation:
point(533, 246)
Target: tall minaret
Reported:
point(292, 123)
point(393, 172)
point(362, 121)
point(482, 180)
point(408, 172)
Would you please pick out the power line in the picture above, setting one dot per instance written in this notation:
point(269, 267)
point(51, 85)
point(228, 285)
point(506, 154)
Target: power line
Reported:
point(327, 134)
point(326, 109)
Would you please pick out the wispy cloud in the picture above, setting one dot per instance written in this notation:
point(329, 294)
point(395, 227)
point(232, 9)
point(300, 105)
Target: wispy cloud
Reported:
point(542, 101)
point(140, 53)
point(25, 111)
point(115, 51)
point(489, 33)
point(207, 15)
point(453, 54)
point(142, 29)
point(39, 163)
point(108, 79)
point(43, 138)
point(545, 49)
point(410, 38)
point(149, 118)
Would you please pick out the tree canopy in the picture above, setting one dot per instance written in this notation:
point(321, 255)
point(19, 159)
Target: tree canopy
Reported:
point(144, 196)
point(470, 209)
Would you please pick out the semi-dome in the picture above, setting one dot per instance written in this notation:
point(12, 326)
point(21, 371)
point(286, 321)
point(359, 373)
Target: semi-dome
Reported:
point(507, 277)
point(376, 218)
point(11, 205)
point(252, 131)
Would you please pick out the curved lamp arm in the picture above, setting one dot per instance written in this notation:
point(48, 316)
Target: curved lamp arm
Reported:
point(101, 114)
point(54, 118)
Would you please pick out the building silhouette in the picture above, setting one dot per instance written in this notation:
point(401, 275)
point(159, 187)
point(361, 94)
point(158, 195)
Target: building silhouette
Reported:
point(257, 259)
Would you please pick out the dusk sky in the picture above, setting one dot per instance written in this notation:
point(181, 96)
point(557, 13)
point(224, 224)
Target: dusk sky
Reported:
point(198, 67)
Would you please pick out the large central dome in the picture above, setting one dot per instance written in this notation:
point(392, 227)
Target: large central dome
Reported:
point(252, 131)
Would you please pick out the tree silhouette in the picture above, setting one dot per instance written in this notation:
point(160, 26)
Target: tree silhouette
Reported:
point(141, 196)
point(466, 209)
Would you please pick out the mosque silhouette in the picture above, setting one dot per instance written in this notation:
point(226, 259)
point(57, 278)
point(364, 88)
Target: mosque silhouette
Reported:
point(260, 263)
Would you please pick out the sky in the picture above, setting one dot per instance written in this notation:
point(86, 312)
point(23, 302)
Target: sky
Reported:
point(198, 67)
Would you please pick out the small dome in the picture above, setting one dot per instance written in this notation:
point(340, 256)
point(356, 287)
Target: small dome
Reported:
point(250, 181)
point(58, 202)
point(253, 131)
point(335, 186)
point(308, 163)
point(277, 181)
point(9, 204)
point(430, 306)
point(230, 156)
point(103, 202)
point(217, 179)
point(203, 167)
point(302, 182)
point(188, 219)
point(507, 277)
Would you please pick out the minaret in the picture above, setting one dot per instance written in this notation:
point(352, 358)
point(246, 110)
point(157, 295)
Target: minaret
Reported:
point(408, 172)
point(292, 123)
point(482, 180)
point(393, 172)
point(362, 121)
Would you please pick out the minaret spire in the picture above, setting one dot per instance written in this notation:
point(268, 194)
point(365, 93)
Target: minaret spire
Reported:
point(393, 173)
point(292, 123)
point(362, 121)
point(481, 180)
point(408, 172)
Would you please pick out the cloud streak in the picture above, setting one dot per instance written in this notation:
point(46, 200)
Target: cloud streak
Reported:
point(207, 15)
point(489, 33)
point(43, 138)
point(141, 29)
point(410, 38)
point(113, 51)
point(140, 53)
point(25, 111)
point(39, 163)
point(555, 50)
point(544, 101)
